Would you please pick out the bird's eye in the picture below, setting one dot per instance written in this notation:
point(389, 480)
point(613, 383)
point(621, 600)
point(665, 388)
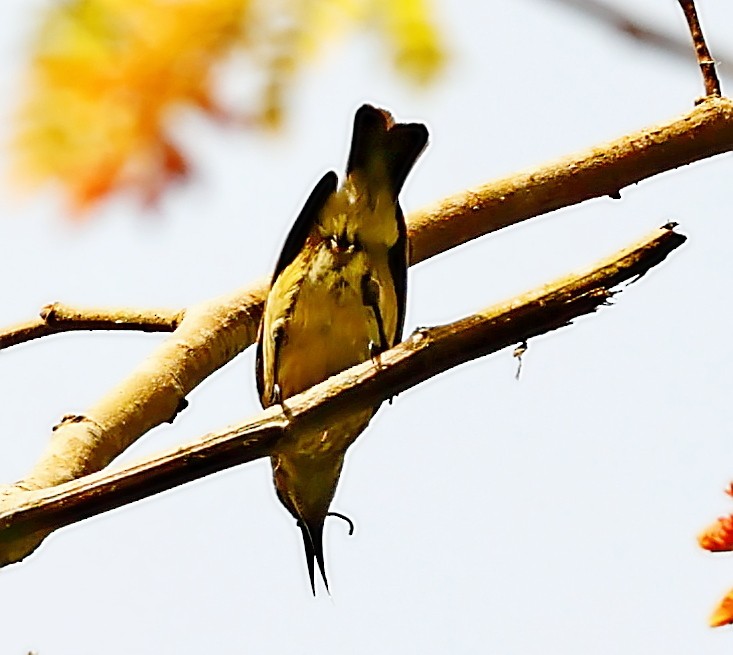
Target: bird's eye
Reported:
point(340, 243)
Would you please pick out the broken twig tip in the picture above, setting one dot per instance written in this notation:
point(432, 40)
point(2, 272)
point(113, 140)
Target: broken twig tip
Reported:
point(518, 352)
point(48, 312)
point(182, 404)
point(68, 418)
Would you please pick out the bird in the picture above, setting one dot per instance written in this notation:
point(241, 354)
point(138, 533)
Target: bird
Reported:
point(337, 298)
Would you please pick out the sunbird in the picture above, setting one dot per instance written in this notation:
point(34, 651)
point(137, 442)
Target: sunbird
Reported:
point(337, 298)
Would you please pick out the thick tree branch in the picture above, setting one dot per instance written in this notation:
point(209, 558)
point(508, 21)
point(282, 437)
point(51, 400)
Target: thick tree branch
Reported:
point(56, 317)
point(209, 335)
point(600, 171)
point(26, 519)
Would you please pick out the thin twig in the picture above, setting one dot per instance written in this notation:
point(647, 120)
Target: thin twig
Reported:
point(635, 28)
point(427, 352)
point(56, 318)
point(704, 58)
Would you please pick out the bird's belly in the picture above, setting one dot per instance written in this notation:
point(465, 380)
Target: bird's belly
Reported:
point(330, 330)
point(314, 446)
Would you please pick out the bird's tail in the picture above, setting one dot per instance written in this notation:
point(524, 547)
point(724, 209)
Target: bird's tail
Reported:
point(313, 543)
point(380, 146)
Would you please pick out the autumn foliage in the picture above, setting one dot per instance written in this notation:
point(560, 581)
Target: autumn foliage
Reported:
point(106, 76)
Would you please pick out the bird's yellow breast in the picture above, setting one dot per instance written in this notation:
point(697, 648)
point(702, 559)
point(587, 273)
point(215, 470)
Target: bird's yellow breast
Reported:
point(317, 304)
point(359, 215)
point(326, 325)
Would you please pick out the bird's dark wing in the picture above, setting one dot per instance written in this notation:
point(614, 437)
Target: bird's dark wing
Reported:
point(398, 263)
point(301, 228)
point(293, 245)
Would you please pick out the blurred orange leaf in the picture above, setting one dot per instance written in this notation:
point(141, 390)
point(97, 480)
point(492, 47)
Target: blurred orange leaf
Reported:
point(719, 536)
point(723, 614)
point(104, 75)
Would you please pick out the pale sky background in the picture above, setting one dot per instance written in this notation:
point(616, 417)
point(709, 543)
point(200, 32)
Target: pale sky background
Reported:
point(556, 514)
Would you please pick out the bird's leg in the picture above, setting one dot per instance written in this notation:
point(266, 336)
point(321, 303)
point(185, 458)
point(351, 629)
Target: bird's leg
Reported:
point(278, 339)
point(370, 297)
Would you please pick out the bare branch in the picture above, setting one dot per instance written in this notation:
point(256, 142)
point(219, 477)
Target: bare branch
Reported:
point(208, 336)
point(56, 317)
point(27, 517)
point(603, 170)
point(704, 59)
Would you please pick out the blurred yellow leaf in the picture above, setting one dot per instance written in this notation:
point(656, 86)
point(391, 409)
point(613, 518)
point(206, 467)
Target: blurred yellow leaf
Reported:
point(105, 75)
point(412, 36)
